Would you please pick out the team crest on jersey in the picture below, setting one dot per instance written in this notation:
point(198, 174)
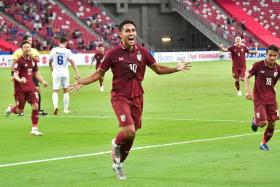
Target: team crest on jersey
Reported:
point(275, 73)
point(139, 56)
point(242, 49)
point(123, 117)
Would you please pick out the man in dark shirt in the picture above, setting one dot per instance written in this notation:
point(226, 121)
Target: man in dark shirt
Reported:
point(267, 73)
point(128, 63)
point(24, 87)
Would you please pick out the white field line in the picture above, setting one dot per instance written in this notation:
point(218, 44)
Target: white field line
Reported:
point(136, 148)
point(147, 118)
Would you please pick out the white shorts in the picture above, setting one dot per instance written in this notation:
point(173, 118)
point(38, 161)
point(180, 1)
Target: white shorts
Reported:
point(62, 82)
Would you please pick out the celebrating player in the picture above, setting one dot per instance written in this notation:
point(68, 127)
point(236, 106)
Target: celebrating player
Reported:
point(128, 63)
point(24, 70)
point(267, 73)
point(98, 58)
point(35, 55)
point(238, 51)
point(59, 58)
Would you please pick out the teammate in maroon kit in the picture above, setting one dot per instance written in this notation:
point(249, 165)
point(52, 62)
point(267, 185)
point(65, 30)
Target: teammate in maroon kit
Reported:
point(24, 69)
point(238, 52)
point(267, 73)
point(99, 57)
point(128, 63)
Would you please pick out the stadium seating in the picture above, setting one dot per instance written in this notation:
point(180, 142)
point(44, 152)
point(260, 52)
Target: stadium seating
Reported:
point(51, 22)
point(207, 11)
point(266, 12)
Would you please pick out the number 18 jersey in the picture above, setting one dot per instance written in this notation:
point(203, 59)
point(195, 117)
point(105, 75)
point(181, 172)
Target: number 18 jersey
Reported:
point(60, 58)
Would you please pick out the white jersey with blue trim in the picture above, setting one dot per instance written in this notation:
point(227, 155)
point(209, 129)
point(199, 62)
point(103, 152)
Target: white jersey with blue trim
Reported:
point(60, 57)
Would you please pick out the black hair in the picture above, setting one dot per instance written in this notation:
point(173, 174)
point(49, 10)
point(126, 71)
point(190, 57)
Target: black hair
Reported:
point(24, 42)
point(25, 37)
point(62, 40)
point(272, 48)
point(127, 21)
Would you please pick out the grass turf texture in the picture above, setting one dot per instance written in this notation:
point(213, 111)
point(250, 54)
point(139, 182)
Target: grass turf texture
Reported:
point(201, 104)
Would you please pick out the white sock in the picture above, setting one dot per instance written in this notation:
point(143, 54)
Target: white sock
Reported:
point(55, 99)
point(66, 101)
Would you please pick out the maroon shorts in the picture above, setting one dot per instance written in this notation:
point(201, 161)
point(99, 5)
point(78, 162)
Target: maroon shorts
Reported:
point(21, 98)
point(238, 73)
point(128, 111)
point(265, 113)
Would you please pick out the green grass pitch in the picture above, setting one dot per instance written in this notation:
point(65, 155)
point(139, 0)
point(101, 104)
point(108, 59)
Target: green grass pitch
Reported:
point(195, 132)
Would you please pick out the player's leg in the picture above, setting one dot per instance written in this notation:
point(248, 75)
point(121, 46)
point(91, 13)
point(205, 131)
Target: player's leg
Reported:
point(41, 111)
point(33, 99)
point(56, 85)
point(272, 115)
point(235, 74)
point(66, 99)
point(125, 135)
point(19, 107)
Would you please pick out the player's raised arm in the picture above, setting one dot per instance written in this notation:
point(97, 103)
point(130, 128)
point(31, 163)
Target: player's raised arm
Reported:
point(160, 69)
point(224, 49)
point(88, 80)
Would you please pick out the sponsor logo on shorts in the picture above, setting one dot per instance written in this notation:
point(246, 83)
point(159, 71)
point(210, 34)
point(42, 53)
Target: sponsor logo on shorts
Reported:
point(123, 117)
point(258, 115)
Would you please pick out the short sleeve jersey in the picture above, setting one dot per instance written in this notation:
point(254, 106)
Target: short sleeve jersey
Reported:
point(60, 58)
point(265, 80)
point(18, 53)
point(128, 69)
point(26, 67)
point(238, 55)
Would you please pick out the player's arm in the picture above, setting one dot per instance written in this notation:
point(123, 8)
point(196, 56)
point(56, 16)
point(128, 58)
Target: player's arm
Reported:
point(224, 49)
point(51, 64)
point(92, 61)
point(248, 91)
point(160, 69)
point(18, 79)
point(39, 77)
point(74, 66)
point(88, 80)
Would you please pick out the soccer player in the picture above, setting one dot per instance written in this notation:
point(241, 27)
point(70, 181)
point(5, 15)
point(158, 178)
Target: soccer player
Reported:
point(238, 52)
point(128, 63)
point(25, 90)
point(98, 58)
point(267, 73)
point(35, 55)
point(59, 58)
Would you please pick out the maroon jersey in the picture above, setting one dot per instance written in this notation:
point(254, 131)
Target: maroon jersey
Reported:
point(26, 67)
point(238, 55)
point(99, 59)
point(265, 80)
point(128, 69)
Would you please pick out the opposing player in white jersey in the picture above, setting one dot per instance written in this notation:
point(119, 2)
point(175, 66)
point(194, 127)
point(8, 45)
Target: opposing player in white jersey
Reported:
point(59, 59)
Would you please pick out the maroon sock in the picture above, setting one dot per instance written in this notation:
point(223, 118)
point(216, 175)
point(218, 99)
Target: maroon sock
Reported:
point(35, 118)
point(126, 148)
point(120, 139)
point(268, 133)
point(13, 110)
point(237, 85)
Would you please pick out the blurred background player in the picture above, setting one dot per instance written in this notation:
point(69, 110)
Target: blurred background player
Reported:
point(128, 63)
point(267, 73)
point(238, 55)
point(36, 56)
point(59, 58)
point(25, 68)
point(98, 58)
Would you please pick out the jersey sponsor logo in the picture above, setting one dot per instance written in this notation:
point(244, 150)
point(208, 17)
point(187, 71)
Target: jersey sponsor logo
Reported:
point(262, 71)
point(120, 58)
point(29, 71)
point(123, 117)
point(139, 56)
